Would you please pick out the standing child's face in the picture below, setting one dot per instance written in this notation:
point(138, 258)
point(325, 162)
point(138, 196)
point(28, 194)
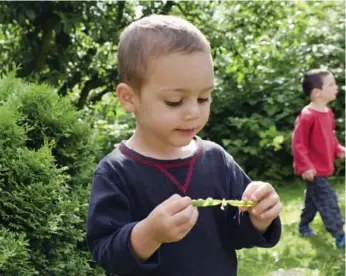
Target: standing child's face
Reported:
point(329, 89)
point(174, 103)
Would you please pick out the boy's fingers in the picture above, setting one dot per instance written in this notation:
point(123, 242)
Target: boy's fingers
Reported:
point(273, 212)
point(193, 219)
point(250, 189)
point(243, 209)
point(309, 177)
point(194, 216)
point(265, 204)
point(261, 192)
point(177, 203)
point(184, 216)
point(172, 198)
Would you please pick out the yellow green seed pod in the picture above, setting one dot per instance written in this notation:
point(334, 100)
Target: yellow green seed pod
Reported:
point(213, 202)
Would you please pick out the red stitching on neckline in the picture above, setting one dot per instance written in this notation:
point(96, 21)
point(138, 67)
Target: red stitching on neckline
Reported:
point(163, 167)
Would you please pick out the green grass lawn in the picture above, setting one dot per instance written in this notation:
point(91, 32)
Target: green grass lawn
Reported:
point(293, 251)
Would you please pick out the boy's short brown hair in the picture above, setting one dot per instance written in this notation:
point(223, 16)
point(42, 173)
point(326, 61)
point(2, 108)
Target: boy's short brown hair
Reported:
point(313, 79)
point(154, 36)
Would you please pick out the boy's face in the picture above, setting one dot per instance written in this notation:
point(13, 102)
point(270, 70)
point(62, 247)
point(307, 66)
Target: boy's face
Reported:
point(174, 103)
point(329, 89)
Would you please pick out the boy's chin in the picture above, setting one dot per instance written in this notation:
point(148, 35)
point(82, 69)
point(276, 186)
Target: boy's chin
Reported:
point(331, 100)
point(182, 142)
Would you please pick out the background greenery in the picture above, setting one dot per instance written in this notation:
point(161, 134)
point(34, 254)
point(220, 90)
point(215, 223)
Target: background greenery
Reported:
point(59, 114)
point(316, 255)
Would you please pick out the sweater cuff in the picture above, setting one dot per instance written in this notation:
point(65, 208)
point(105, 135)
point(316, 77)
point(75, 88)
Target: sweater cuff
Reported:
point(268, 239)
point(305, 168)
point(151, 263)
point(273, 234)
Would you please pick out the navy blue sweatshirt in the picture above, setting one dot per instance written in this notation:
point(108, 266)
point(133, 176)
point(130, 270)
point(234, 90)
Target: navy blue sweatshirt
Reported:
point(127, 186)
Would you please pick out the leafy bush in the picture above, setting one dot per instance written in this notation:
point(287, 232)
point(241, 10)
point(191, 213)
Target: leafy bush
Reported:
point(47, 156)
point(258, 71)
point(14, 254)
point(112, 123)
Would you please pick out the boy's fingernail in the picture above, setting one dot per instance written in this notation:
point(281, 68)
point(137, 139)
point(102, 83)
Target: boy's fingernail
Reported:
point(254, 211)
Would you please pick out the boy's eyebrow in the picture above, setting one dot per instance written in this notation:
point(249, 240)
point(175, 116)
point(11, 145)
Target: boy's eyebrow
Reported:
point(186, 90)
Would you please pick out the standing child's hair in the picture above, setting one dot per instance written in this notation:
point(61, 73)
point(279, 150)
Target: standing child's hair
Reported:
point(313, 79)
point(151, 37)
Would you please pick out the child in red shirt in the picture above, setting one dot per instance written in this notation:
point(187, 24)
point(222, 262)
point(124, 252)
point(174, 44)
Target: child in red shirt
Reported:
point(315, 148)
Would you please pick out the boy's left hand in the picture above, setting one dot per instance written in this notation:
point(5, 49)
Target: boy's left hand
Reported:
point(268, 207)
point(341, 153)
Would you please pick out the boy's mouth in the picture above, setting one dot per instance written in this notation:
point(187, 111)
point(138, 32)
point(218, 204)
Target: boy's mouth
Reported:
point(187, 131)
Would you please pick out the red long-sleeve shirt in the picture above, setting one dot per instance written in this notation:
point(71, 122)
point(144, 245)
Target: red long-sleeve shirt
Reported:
point(314, 144)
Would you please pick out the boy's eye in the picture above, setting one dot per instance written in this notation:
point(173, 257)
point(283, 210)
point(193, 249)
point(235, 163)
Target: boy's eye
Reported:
point(173, 104)
point(204, 100)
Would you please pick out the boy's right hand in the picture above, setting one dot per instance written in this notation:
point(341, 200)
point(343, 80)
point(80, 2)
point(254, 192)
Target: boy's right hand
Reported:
point(172, 219)
point(168, 222)
point(309, 175)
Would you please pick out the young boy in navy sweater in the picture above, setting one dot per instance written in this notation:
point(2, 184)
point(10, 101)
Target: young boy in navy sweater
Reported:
point(314, 148)
point(141, 220)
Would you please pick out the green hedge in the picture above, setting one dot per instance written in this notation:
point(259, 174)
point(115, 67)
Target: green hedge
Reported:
point(47, 156)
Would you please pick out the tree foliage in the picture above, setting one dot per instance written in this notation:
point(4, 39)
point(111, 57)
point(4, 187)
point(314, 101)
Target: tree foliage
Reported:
point(46, 159)
point(261, 50)
point(259, 94)
point(48, 149)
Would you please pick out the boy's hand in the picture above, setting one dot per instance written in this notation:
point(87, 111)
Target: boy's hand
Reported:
point(309, 175)
point(168, 222)
point(268, 207)
point(172, 220)
point(341, 154)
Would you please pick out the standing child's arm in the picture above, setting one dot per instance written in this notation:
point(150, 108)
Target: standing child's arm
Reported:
point(300, 140)
point(339, 149)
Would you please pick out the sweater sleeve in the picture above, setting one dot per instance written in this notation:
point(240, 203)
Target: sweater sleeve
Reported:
point(239, 224)
point(109, 226)
point(338, 148)
point(300, 141)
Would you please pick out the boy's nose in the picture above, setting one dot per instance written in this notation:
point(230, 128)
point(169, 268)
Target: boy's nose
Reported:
point(192, 112)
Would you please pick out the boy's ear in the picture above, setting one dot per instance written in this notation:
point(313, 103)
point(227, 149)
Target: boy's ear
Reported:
point(127, 97)
point(315, 92)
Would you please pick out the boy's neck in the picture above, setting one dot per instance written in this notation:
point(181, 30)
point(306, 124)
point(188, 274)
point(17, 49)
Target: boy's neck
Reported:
point(319, 106)
point(148, 146)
